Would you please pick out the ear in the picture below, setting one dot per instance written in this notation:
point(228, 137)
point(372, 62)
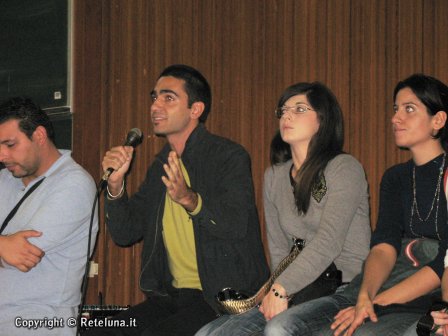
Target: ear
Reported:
point(197, 108)
point(439, 120)
point(40, 135)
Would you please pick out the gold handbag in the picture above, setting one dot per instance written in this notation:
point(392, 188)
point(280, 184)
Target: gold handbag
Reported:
point(233, 302)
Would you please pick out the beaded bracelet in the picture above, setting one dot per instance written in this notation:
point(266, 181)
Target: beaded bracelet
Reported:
point(277, 294)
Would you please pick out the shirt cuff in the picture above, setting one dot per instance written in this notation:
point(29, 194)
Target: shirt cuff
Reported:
point(198, 207)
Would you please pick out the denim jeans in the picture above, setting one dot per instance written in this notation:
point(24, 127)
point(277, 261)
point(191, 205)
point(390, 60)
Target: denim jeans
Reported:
point(318, 313)
point(412, 330)
point(312, 318)
point(309, 318)
point(250, 323)
point(253, 322)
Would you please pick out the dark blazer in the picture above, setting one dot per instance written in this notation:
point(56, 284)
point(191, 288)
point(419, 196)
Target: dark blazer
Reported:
point(229, 249)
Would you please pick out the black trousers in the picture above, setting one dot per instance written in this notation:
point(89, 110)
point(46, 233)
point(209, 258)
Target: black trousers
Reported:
point(182, 313)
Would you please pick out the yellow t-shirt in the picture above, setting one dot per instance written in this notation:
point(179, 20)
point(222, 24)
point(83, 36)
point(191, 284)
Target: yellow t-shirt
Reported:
point(178, 237)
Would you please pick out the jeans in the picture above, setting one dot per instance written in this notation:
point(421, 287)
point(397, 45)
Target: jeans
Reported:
point(180, 314)
point(412, 330)
point(250, 323)
point(314, 318)
point(286, 323)
point(253, 322)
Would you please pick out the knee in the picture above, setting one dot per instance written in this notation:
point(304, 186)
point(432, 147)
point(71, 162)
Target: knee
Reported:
point(202, 332)
point(208, 329)
point(215, 327)
point(273, 329)
point(281, 327)
point(411, 331)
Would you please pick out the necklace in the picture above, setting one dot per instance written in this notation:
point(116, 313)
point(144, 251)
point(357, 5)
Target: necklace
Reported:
point(435, 200)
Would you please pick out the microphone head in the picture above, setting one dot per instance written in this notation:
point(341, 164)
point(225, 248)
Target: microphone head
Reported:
point(134, 137)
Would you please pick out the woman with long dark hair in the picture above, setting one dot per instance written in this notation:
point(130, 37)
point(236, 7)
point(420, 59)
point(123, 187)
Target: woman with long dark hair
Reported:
point(312, 191)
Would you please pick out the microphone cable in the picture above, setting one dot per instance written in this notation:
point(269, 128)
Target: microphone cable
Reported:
point(133, 138)
point(87, 268)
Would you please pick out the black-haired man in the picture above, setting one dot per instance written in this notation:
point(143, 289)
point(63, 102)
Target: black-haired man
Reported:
point(195, 212)
point(43, 240)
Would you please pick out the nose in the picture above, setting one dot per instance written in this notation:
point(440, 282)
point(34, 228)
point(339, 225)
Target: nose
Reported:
point(287, 114)
point(397, 117)
point(156, 103)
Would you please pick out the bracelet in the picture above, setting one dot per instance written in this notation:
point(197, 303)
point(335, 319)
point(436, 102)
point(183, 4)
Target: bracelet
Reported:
point(112, 197)
point(277, 294)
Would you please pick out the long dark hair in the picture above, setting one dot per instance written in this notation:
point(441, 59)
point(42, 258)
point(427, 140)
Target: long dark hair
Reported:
point(433, 94)
point(324, 145)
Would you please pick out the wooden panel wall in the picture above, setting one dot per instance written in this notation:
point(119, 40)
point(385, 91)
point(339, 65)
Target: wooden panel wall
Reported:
point(250, 50)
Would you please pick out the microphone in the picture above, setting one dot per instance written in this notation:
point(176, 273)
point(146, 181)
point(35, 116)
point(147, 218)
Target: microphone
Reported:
point(133, 139)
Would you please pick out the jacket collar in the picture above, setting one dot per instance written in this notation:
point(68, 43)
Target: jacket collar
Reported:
point(193, 140)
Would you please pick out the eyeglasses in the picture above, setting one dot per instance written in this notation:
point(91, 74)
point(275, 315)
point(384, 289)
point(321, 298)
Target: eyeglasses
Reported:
point(297, 109)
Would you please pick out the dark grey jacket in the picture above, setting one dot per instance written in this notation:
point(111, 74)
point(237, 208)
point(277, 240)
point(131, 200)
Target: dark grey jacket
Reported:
point(229, 249)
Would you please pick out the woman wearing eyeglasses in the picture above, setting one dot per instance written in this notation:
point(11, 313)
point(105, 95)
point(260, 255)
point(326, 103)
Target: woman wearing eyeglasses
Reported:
point(312, 191)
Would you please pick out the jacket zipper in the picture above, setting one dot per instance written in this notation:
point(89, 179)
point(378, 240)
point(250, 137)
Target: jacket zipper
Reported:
point(154, 245)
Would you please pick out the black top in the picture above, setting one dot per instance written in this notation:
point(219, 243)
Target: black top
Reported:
point(396, 198)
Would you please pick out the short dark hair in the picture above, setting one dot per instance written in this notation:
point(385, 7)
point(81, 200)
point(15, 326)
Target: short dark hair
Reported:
point(196, 86)
point(29, 115)
point(433, 94)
